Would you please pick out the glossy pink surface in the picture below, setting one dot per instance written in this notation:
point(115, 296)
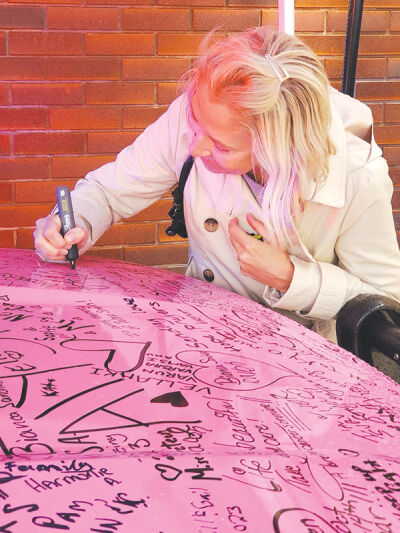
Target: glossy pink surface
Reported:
point(137, 400)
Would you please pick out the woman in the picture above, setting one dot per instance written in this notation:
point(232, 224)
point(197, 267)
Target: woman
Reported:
point(278, 154)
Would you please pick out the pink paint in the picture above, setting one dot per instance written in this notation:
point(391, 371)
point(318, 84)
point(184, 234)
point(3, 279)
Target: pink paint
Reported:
point(135, 399)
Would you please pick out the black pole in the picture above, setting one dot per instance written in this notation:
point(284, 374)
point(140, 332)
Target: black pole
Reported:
point(354, 17)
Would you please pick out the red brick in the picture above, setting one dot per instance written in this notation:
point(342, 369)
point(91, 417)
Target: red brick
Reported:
point(84, 118)
point(387, 134)
point(309, 21)
point(381, 3)
point(155, 19)
point(377, 112)
point(21, 215)
point(5, 144)
point(393, 68)
point(325, 44)
point(375, 21)
point(269, 17)
point(82, 18)
point(22, 16)
point(47, 93)
point(24, 168)
point(203, 3)
point(163, 237)
point(141, 117)
point(319, 3)
point(118, 2)
point(47, 1)
point(119, 44)
point(6, 193)
point(76, 166)
point(157, 211)
point(395, 175)
point(230, 20)
point(392, 155)
point(392, 112)
point(120, 93)
point(49, 43)
point(4, 94)
point(21, 68)
point(396, 199)
point(305, 21)
point(6, 238)
point(39, 191)
point(378, 90)
point(23, 118)
point(107, 253)
point(25, 239)
point(395, 21)
point(129, 234)
point(253, 3)
point(49, 143)
point(166, 92)
point(367, 68)
point(161, 254)
point(379, 44)
point(178, 44)
point(110, 142)
point(3, 47)
point(83, 69)
point(154, 69)
point(337, 85)
point(396, 218)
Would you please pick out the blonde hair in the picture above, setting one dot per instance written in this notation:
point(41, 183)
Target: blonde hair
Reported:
point(279, 87)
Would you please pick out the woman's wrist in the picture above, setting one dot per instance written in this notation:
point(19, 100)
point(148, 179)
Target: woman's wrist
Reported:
point(284, 284)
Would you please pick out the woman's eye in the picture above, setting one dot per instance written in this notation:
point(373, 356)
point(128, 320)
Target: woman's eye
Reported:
point(222, 150)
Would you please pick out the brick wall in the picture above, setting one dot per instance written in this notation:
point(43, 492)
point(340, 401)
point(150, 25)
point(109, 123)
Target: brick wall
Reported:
point(79, 80)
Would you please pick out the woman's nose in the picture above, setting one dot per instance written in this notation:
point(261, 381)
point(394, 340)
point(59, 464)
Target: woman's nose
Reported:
point(201, 145)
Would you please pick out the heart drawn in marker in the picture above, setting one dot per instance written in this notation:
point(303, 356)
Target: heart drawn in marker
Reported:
point(169, 473)
point(176, 399)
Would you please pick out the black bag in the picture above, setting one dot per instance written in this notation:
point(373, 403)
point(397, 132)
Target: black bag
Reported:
point(176, 212)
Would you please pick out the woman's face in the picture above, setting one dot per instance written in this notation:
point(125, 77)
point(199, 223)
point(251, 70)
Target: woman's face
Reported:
point(219, 139)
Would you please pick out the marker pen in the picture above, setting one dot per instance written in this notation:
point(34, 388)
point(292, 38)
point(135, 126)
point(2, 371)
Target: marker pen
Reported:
point(256, 236)
point(66, 214)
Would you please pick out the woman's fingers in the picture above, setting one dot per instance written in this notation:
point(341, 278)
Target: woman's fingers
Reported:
point(50, 244)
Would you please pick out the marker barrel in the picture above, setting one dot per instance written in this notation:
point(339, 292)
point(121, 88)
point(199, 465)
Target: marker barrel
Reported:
point(66, 214)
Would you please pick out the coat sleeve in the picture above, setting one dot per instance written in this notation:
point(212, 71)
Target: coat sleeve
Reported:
point(368, 256)
point(140, 175)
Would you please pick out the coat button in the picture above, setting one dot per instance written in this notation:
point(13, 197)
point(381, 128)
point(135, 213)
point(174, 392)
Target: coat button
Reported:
point(211, 224)
point(208, 275)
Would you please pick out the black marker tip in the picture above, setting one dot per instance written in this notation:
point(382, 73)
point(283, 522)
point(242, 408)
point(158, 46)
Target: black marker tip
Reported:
point(72, 263)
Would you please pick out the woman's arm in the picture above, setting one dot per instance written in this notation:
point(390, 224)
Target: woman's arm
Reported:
point(140, 175)
point(368, 256)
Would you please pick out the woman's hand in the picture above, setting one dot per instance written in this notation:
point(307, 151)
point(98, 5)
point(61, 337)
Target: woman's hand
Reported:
point(266, 263)
point(50, 244)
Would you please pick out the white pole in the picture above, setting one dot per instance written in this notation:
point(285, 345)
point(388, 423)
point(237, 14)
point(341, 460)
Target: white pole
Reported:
point(286, 16)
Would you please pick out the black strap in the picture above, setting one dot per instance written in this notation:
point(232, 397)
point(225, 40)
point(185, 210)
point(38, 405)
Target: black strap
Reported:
point(176, 212)
point(354, 17)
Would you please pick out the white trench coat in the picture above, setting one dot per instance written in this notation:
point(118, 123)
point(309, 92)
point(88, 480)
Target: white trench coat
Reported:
point(345, 243)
